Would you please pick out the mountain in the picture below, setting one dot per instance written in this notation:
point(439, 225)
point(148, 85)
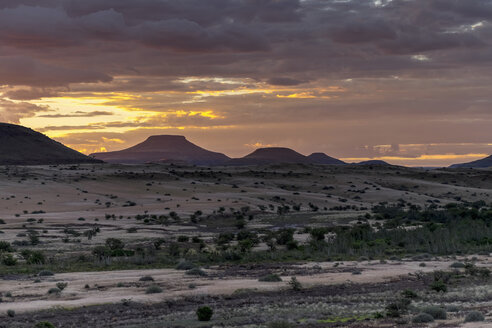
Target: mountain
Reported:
point(373, 162)
point(272, 155)
point(481, 163)
point(322, 158)
point(22, 146)
point(276, 155)
point(164, 149)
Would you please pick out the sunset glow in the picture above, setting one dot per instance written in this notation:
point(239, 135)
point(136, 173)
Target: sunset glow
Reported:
point(307, 75)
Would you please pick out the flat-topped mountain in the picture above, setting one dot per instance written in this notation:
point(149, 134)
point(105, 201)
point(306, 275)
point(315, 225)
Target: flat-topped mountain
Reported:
point(22, 146)
point(322, 158)
point(164, 149)
point(481, 163)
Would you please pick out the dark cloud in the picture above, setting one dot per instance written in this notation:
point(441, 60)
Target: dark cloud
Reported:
point(355, 73)
point(285, 81)
point(22, 70)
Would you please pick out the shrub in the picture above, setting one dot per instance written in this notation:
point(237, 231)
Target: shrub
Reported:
point(397, 308)
point(5, 246)
point(295, 284)
point(61, 285)
point(436, 312)
point(196, 272)
point(44, 324)
point(422, 318)
point(457, 265)
point(45, 273)
point(185, 265)
point(146, 278)
point(474, 316)
point(9, 260)
point(439, 286)
point(408, 293)
point(204, 313)
point(54, 290)
point(153, 290)
point(34, 257)
point(11, 313)
point(272, 277)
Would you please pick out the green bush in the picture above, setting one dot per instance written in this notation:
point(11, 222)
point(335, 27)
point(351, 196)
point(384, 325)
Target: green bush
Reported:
point(398, 308)
point(153, 290)
point(5, 247)
point(474, 316)
point(436, 312)
point(272, 277)
point(295, 284)
point(422, 318)
point(439, 286)
point(408, 293)
point(204, 313)
point(9, 260)
point(61, 285)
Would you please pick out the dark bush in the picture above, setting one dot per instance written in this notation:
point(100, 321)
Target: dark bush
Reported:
point(474, 316)
point(204, 313)
point(272, 277)
point(436, 312)
point(422, 318)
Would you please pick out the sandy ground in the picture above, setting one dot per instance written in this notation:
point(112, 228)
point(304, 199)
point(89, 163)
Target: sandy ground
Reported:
point(28, 295)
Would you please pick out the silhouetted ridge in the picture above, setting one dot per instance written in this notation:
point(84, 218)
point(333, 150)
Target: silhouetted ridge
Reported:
point(22, 146)
point(373, 162)
point(276, 155)
point(481, 163)
point(322, 158)
point(164, 149)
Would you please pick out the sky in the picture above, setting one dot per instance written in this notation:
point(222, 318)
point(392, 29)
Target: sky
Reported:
point(406, 81)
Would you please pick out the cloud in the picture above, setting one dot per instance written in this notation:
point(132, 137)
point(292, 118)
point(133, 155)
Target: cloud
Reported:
point(78, 114)
point(25, 71)
point(341, 75)
point(12, 112)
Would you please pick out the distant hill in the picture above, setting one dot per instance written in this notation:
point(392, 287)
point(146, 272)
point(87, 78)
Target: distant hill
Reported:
point(272, 155)
point(481, 163)
point(322, 158)
point(164, 149)
point(276, 155)
point(373, 162)
point(22, 146)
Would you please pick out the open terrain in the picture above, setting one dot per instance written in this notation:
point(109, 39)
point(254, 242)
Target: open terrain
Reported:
point(355, 237)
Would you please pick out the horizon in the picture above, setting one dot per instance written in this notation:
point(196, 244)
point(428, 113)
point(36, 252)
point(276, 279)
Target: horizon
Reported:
point(407, 82)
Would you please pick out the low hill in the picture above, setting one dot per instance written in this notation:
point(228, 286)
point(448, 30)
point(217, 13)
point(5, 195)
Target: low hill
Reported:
point(322, 158)
point(373, 162)
point(481, 163)
point(22, 146)
point(164, 149)
point(276, 155)
point(272, 155)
